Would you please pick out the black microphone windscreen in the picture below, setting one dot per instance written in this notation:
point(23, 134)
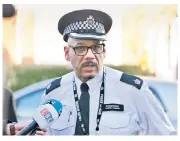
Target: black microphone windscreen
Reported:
point(8, 10)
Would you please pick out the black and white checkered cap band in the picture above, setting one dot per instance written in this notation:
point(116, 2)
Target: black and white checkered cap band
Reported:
point(86, 26)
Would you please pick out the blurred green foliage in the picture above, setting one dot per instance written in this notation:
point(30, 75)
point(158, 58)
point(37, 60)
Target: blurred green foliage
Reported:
point(23, 75)
point(134, 70)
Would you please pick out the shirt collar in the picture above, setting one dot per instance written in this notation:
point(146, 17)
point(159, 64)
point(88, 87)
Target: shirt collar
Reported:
point(92, 83)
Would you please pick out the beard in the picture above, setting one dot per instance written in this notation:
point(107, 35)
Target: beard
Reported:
point(88, 78)
point(85, 76)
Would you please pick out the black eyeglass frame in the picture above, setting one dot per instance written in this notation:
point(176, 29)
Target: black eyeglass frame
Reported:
point(90, 47)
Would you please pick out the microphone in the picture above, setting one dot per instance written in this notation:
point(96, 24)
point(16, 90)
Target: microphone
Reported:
point(8, 10)
point(44, 116)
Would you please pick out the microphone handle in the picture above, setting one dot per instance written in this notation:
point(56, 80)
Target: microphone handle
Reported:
point(28, 128)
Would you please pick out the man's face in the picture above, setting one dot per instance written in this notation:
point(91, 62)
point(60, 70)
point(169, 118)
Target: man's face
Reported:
point(86, 65)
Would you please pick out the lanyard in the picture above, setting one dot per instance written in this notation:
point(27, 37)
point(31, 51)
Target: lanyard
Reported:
point(100, 108)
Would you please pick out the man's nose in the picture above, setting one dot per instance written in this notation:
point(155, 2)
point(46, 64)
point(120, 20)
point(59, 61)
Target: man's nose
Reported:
point(90, 54)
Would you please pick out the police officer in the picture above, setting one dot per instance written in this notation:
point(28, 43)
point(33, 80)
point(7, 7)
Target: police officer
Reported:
point(98, 100)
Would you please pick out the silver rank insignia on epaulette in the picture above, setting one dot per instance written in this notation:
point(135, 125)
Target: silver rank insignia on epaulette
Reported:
point(48, 86)
point(137, 81)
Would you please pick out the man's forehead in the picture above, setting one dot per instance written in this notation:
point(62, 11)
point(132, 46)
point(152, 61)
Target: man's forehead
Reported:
point(83, 42)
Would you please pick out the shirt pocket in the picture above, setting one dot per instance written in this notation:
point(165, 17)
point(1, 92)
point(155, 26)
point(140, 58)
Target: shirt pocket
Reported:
point(118, 123)
point(65, 123)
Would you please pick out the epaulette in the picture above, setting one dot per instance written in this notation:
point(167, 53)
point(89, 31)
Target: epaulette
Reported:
point(53, 85)
point(132, 80)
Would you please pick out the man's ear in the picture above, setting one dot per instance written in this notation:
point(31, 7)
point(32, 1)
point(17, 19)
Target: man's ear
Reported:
point(66, 53)
point(104, 52)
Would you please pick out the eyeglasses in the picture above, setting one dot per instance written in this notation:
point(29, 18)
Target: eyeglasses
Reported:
point(82, 50)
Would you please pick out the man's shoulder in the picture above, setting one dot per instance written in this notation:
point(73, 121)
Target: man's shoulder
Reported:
point(112, 73)
point(128, 79)
point(53, 85)
point(132, 80)
point(59, 83)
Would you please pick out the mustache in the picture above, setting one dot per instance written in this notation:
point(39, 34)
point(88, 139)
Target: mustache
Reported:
point(88, 63)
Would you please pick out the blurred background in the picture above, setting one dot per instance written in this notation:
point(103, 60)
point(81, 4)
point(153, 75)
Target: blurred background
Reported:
point(142, 41)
